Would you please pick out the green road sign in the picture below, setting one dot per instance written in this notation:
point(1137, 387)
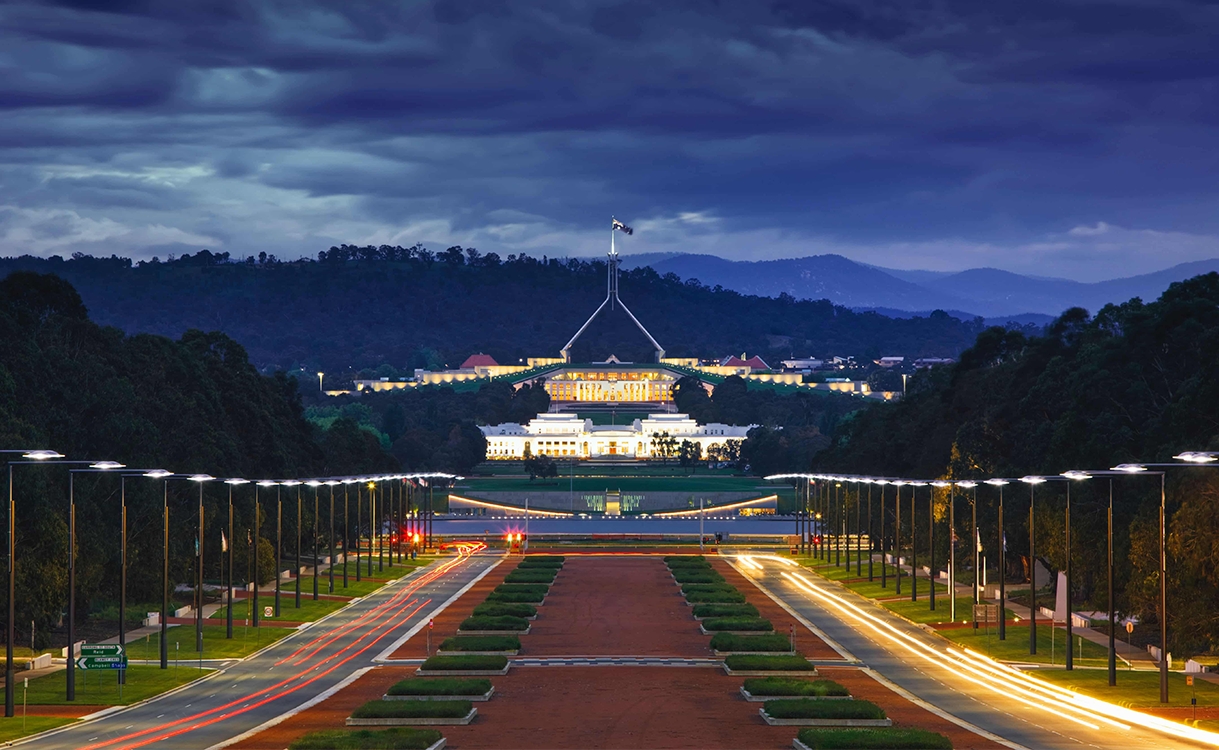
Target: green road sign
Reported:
point(102, 662)
point(101, 649)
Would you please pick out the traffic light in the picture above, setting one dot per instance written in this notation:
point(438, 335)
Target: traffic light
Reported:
point(719, 537)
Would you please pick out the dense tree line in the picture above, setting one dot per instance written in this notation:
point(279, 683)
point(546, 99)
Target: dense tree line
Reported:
point(364, 307)
point(191, 405)
point(1135, 383)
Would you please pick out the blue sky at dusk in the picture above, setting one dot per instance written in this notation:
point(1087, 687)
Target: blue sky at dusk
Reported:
point(1056, 138)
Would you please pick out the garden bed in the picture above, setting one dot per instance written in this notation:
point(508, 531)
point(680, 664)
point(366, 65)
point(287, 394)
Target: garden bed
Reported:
point(440, 688)
point(465, 665)
point(504, 609)
point(813, 713)
point(722, 597)
point(500, 623)
point(368, 739)
point(728, 643)
point(706, 588)
point(683, 577)
point(703, 611)
point(747, 625)
point(531, 598)
point(522, 588)
point(542, 561)
point(531, 576)
point(786, 665)
point(406, 713)
point(484, 645)
point(761, 689)
point(871, 739)
point(686, 561)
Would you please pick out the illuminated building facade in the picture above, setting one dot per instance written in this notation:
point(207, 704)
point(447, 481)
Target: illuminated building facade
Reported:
point(569, 436)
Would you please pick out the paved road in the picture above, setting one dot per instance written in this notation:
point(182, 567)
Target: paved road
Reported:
point(282, 677)
point(918, 662)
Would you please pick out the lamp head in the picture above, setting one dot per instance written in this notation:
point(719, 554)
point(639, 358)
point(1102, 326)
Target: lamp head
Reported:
point(1076, 475)
point(290, 482)
point(201, 477)
point(42, 455)
point(1198, 457)
point(236, 480)
point(1130, 468)
point(158, 473)
point(332, 482)
point(267, 483)
point(314, 483)
point(996, 482)
point(107, 465)
point(941, 483)
point(968, 484)
point(1033, 479)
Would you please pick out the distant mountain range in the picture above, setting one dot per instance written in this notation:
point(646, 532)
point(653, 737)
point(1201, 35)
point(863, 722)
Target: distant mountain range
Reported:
point(986, 292)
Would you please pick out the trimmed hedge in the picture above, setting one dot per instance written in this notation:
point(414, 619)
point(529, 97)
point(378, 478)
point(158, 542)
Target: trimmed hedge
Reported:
point(720, 597)
point(770, 642)
point(792, 686)
point(868, 739)
point(503, 622)
point(522, 588)
point(767, 663)
point(672, 560)
point(419, 709)
point(802, 708)
point(699, 576)
point(481, 643)
point(530, 576)
point(722, 610)
point(453, 686)
point(397, 738)
point(501, 609)
point(706, 588)
point(738, 623)
point(550, 559)
point(497, 598)
point(534, 563)
point(470, 662)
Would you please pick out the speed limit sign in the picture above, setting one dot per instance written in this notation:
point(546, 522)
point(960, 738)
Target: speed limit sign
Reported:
point(1129, 627)
point(268, 611)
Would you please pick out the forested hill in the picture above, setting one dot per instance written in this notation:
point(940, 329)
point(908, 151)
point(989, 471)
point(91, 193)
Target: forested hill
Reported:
point(407, 307)
point(1136, 383)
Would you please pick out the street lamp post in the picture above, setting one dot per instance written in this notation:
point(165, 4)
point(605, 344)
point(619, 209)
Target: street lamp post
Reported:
point(314, 484)
point(279, 545)
point(897, 532)
point(330, 569)
point(257, 547)
point(883, 537)
point(870, 543)
point(346, 530)
point(976, 542)
point(199, 479)
point(359, 527)
point(1002, 560)
point(1032, 482)
point(1075, 476)
point(232, 542)
point(914, 543)
point(164, 475)
point(296, 572)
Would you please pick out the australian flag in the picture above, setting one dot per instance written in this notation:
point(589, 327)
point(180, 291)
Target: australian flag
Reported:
point(622, 227)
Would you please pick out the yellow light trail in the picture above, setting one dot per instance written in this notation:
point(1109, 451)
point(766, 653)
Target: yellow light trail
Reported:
point(997, 677)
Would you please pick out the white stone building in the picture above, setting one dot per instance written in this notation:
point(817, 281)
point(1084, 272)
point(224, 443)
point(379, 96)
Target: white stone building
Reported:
point(567, 435)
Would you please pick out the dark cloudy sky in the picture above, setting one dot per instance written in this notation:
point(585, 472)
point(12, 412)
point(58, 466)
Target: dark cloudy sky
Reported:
point(1058, 137)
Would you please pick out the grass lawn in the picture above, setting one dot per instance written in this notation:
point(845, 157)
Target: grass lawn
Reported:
point(99, 687)
point(363, 588)
point(309, 611)
point(12, 728)
point(244, 642)
point(920, 611)
point(1134, 689)
point(1016, 647)
point(873, 590)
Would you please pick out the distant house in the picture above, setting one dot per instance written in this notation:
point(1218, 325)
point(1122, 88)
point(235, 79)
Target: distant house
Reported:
point(754, 363)
point(807, 363)
point(924, 362)
point(478, 360)
point(889, 361)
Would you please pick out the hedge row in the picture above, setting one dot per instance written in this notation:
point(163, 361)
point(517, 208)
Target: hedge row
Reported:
point(803, 708)
point(501, 622)
point(870, 739)
point(537, 575)
point(767, 663)
point(453, 686)
point(414, 710)
point(522, 588)
point(785, 686)
point(723, 610)
point(466, 662)
point(697, 576)
point(501, 609)
point(738, 623)
point(481, 643)
point(686, 561)
point(542, 561)
point(398, 738)
point(720, 597)
point(498, 598)
point(706, 588)
point(770, 642)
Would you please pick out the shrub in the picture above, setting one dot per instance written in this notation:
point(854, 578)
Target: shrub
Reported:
point(522, 588)
point(738, 623)
point(540, 562)
point(724, 610)
point(472, 662)
point(497, 598)
point(672, 560)
point(720, 597)
point(709, 576)
point(503, 622)
point(767, 663)
point(419, 709)
point(500, 609)
point(481, 643)
point(770, 642)
point(802, 708)
point(397, 738)
point(452, 686)
point(530, 576)
point(793, 686)
point(706, 588)
point(699, 564)
point(866, 739)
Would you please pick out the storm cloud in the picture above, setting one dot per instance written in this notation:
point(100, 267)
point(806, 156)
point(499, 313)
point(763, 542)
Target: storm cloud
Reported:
point(1069, 138)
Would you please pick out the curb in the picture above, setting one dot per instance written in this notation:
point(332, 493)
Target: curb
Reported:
point(475, 698)
point(763, 698)
point(406, 722)
point(823, 722)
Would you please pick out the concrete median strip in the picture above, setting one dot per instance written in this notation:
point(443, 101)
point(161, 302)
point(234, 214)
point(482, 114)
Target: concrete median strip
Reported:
point(476, 698)
point(763, 698)
point(407, 722)
point(823, 722)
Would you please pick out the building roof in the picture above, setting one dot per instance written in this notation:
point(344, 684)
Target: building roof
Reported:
point(754, 363)
point(478, 360)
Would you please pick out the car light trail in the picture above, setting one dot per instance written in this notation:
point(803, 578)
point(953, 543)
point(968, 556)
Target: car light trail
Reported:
point(385, 622)
point(997, 677)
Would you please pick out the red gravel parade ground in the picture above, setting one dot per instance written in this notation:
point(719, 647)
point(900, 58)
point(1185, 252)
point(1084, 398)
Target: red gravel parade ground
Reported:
point(611, 605)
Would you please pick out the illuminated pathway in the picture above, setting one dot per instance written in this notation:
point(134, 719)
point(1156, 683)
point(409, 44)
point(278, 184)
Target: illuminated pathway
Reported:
point(281, 678)
point(1015, 707)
